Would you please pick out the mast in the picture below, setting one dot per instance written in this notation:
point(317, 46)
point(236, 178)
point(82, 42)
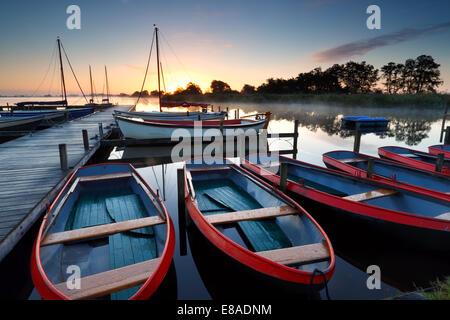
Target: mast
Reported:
point(92, 90)
point(157, 63)
point(63, 83)
point(107, 85)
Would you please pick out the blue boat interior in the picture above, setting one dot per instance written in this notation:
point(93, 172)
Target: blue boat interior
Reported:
point(395, 171)
point(96, 203)
point(229, 190)
point(343, 185)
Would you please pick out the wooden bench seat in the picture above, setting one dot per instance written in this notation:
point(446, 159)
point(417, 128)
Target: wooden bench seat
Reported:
point(109, 176)
point(352, 160)
point(100, 230)
point(365, 196)
point(263, 213)
point(299, 255)
point(105, 283)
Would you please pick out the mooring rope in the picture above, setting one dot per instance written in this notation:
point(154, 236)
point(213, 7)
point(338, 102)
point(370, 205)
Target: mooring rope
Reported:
point(324, 280)
point(73, 72)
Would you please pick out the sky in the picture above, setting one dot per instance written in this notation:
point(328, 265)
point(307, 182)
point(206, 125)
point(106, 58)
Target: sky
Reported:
point(239, 42)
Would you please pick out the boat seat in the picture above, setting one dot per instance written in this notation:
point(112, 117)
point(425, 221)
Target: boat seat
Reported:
point(352, 160)
point(244, 215)
point(444, 216)
point(105, 283)
point(299, 255)
point(109, 176)
point(100, 230)
point(370, 195)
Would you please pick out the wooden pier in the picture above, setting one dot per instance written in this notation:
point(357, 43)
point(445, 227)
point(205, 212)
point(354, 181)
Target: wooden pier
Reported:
point(33, 168)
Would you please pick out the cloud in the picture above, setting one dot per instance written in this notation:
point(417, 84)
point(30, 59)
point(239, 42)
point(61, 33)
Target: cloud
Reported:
point(362, 47)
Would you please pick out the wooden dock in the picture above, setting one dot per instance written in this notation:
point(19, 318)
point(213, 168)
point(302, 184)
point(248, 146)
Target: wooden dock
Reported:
point(31, 174)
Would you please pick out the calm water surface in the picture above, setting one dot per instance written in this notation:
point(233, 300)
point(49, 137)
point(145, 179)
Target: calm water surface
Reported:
point(319, 132)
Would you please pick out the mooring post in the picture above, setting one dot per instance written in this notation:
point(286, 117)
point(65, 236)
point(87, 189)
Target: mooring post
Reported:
point(85, 139)
point(227, 113)
point(295, 149)
point(447, 135)
point(237, 112)
point(181, 212)
point(212, 108)
point(66, 116)
point(283, 176)
point(357, 141)
point(439, 162)
point(370, 168)
point(63, 156)
point(218, 109)
point(100, 130)
point(221, 128)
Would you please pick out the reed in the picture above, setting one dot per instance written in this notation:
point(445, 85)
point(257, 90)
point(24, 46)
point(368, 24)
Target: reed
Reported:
point(440, 291)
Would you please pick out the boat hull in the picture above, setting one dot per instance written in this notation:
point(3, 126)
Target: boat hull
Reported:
point(398, 154)
point(159, 130)
point(409, 228)
point(390, 172)
point(437, 149)
point(43, 265)
point(276, 274)
point(174, 115)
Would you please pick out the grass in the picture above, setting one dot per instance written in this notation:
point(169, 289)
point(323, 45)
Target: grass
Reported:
point(440, 290)
point(370, 99)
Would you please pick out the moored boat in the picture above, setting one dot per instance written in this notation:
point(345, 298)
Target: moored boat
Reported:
point(390, 172)
point(414, 158)
point(25, 123)
point(195, 115)
point(72, 113)
point(258, 227)
point(158, 129)
point(413, 218)
point(111, 228)
point(440, 148)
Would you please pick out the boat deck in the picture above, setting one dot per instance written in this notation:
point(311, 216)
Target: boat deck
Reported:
point(31, 175)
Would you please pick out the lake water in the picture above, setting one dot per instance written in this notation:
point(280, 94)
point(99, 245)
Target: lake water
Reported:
point(319, 132)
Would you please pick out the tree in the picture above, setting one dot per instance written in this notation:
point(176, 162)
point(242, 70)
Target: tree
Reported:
point(427, 74)
point(359, 77)
point(388, 71)
point(218, 87)
point(248, 89)
point(192, 89)
point(408, 74)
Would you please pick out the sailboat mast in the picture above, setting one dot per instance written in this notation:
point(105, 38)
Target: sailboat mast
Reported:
point(107, 85)
point(63, 83)
point(92, 90)
point(157, 62)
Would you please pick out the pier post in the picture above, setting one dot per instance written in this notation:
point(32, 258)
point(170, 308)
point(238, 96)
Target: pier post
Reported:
point(370, 168)
point(181, 212)
point(227, 113)
point(283, 176)
point(295, 149)
point(447, 135)
point(85, 139)
point(63, 156)
point(100, 130)
point(218, 109)
point(357, 141)
point(439, 162)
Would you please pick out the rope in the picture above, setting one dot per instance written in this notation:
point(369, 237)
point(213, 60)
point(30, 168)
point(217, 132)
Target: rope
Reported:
point(324, 280)
point(73, 72)
point(179, 61)
point(146, 71)
point(48, 69)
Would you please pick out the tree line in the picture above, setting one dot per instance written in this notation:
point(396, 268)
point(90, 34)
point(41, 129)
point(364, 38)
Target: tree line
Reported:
point(420, 75)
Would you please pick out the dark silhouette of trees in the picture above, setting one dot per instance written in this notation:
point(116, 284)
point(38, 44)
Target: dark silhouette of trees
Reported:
point(248, 89)
point(191, 89)
point(359, 77)
point(415, 76)
point(220, 87)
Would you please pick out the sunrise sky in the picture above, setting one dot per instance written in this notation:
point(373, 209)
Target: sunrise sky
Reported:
point(238, 42)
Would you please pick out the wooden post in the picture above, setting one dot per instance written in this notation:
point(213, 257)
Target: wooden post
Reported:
point(440, 162)
point(370, 168)
point(237, 112)
point(218, 109)
point(66, 116)
point(447, 135)
point(283, 176)
point(227, 113)
point(181, 212)
point(221, 127)
point(295, 150)
point(212, 108)
point(357, 142)
point(100, 130)
point(63, 156)
point(85, 139)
